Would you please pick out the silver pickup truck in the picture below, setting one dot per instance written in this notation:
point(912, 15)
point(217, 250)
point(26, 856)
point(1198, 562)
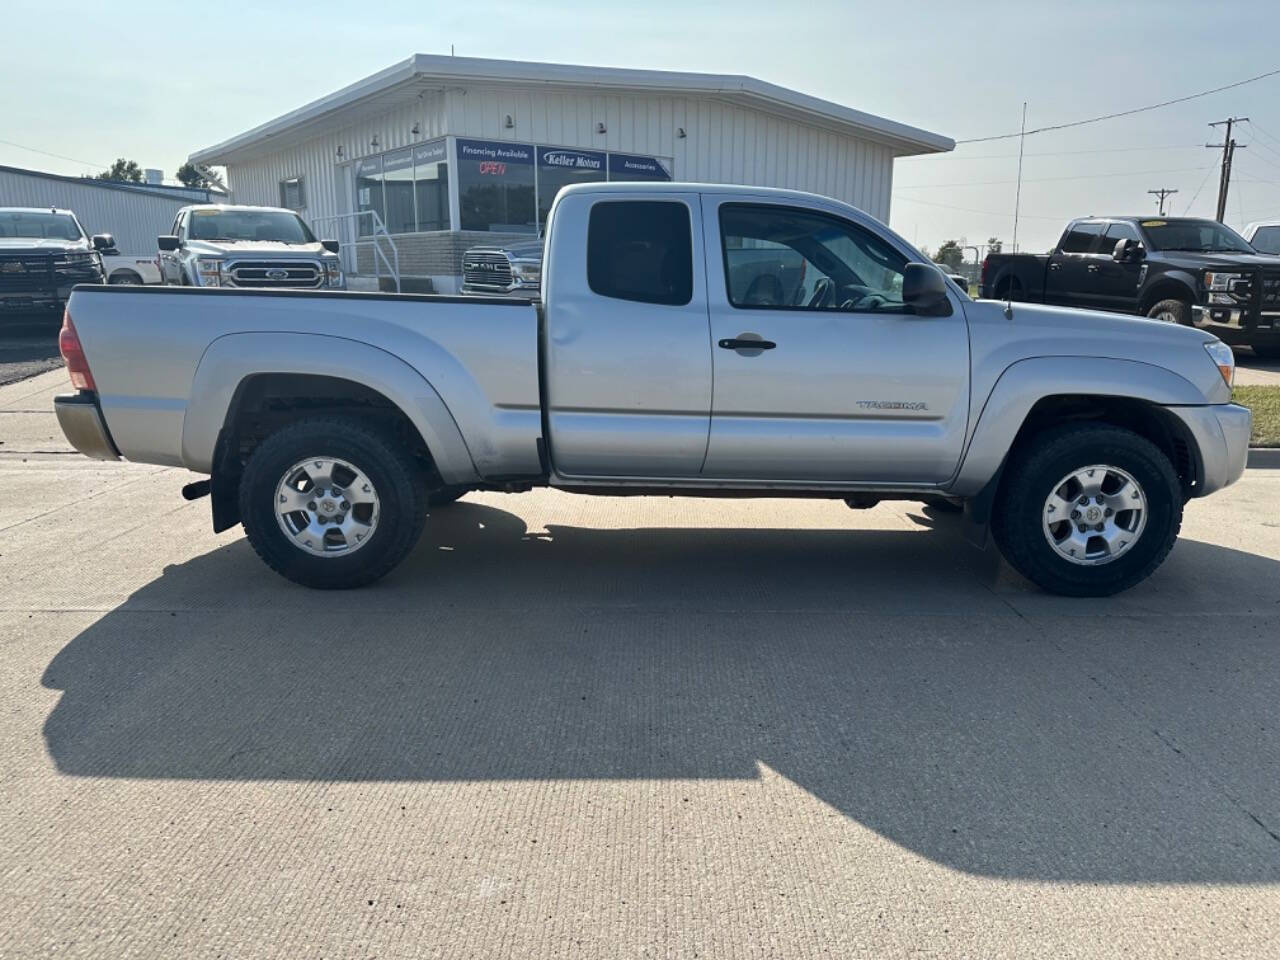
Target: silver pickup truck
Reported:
point(329, 423)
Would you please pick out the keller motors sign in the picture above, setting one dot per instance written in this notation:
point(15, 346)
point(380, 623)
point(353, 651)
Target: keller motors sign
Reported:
point(579, 161)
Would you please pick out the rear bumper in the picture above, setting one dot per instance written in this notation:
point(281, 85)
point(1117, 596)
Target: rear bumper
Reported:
point(82, 424)
point(1221, 434)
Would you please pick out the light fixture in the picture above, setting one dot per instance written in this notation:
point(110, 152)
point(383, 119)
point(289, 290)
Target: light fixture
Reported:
point(416, 128)
point(600, 128)
point(339, 154)
point(509, 122)
point(374, 141)
point(680, 134)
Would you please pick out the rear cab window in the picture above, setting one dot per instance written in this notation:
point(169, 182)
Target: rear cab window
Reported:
point(1081, 238)
point(641, 250)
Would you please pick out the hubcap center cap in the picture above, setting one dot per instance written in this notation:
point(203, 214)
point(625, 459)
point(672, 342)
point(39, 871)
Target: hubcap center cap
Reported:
point(1093, 514)
point(328, 507)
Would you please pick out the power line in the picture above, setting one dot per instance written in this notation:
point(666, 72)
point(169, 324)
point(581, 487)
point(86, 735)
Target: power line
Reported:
point(989, 213)
point(1196, 195)
point(1057, 153)
point(1083, 176)
point(87, 163)
point(1123, 113)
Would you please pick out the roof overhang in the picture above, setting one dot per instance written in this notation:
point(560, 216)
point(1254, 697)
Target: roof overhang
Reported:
point(421, 73)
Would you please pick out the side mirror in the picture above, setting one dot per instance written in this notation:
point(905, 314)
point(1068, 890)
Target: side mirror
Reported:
point(1127, 250)
point(103, 241)
point(924, 290)
point(167, 243)
point(330, 245)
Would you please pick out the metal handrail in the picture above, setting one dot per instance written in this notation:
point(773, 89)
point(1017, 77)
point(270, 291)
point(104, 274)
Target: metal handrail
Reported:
point(377, 233)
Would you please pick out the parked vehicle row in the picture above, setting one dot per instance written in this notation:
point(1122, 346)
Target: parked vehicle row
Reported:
point(1181, 270)
point(330, 424)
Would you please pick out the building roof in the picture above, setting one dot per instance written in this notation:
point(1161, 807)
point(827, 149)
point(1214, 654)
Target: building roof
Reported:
point(406, 80)
point(155, 189)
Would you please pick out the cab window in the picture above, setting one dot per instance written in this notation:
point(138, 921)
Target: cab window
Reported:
point(786, 258)
point(1081, 237)
point(641, 250)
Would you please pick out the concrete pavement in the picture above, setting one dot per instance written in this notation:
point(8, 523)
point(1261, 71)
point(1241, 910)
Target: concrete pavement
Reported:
point(586, 727)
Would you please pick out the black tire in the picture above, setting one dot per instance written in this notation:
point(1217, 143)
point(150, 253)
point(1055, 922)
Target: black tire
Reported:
point(1018, 520)
point(445, 496)
point(402, 501)
point(1268, 351)
point(1178, 310)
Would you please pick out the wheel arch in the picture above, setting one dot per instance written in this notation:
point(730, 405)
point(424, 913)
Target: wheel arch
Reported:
point(124, 271)
point(1034, 394)
point(1177, 285)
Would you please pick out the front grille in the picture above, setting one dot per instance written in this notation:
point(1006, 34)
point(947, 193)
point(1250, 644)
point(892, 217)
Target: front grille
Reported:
point(486, 270)
point(26, 273)
point(265, 274)
point(1269, 296)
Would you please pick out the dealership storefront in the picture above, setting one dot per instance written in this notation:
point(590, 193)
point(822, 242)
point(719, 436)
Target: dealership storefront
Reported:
point(410, 167)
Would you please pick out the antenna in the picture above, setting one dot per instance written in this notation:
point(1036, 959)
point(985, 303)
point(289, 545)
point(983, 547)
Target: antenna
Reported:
point(1017, 206)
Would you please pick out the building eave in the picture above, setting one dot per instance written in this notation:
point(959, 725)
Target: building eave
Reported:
point(426, 71)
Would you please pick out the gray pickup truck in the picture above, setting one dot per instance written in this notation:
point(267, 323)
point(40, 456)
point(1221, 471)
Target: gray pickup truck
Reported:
point(330, 423)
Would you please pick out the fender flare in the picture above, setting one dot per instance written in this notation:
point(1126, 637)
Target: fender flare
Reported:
point(1026, 382)
point(1181, 279)
point(230, 359)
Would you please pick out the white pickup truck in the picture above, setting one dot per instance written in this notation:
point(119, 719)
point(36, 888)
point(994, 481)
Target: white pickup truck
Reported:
point(330, 422)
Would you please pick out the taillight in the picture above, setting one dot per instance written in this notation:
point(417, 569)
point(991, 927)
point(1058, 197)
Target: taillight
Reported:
point(983, 276)
point(73, 354)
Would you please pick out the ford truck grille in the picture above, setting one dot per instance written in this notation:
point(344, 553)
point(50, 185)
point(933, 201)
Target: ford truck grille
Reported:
point(275, 274)
point(486, 270)
point(1270, 294)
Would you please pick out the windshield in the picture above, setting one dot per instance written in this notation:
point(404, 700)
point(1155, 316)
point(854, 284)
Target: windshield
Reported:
point(1267, 240)
point(1202, 236)
point(39, 226)
point(264, 226)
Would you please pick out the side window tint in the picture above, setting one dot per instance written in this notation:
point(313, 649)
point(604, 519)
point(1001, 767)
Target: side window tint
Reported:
point(1081, 238)
point(799, 259)
point(641, 250)
point(1267, 240)
point(1118, 231)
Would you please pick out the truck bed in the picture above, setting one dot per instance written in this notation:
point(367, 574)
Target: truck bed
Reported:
point(167, 361)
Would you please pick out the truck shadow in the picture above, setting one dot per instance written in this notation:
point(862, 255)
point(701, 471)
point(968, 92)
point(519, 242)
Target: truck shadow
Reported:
point(939, 702)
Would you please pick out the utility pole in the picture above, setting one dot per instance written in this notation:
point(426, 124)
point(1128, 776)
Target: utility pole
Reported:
point(1228, 146)
point(1162, 193)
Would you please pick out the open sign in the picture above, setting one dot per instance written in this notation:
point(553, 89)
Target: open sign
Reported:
point(493, 168)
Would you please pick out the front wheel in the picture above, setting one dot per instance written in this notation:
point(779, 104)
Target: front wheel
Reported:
point(1171, 311)
point(328, 502)
point(1089, 510)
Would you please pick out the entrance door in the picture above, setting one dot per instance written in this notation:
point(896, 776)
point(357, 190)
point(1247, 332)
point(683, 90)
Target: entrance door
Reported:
point(846, 383)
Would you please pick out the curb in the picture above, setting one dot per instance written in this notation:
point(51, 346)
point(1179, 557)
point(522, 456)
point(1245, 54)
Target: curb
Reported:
point(1264, 458)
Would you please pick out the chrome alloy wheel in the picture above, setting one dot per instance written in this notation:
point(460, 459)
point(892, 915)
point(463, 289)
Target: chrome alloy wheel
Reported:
point(1166, 316)
point(326, 507)
point(1095, 515)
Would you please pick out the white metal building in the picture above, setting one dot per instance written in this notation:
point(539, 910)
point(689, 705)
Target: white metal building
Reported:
point(436, 154)
point(135, 214)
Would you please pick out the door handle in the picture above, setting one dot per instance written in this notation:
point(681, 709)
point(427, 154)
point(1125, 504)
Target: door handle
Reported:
point(1055, 266)
point(749, 343)
point(1092, 268)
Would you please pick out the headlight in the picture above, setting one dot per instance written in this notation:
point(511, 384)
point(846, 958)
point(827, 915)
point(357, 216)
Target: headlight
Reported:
point(529, 274)
point(1222, 300)
point(1223, 359)
point(79, 259)
point(209, 271)
point(1221, 281)
point(333, 273)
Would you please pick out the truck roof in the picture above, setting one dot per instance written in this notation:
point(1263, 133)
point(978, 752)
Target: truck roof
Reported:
point(68, 213)
point(237, 207)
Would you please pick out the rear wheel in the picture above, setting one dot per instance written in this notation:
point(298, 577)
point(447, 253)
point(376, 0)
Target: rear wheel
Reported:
point(1088, 510)
point(328, 502)
point(1171, 311)
point(125, 278)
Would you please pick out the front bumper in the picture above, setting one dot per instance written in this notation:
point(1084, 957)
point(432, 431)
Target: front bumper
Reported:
point(1221, 434)
point(82, 424)
point(42, 299)
point(1237, 323)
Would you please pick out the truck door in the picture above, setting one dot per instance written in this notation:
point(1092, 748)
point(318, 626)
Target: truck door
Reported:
point(627, 355)
point(846, 385)
point(1117, 283)
point(1070, 276)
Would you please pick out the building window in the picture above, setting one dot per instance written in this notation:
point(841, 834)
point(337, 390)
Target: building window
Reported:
point(495, 186)
point(641, 250)
point(397, 187)
point(293, 194)
point(369, 194)
point(559, 168)
point(431, 185)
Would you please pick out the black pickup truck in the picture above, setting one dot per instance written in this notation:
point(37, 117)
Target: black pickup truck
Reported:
point(43, 254)
point(1182, 270)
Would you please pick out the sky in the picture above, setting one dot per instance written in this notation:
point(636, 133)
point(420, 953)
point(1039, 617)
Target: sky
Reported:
point(93, 81)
